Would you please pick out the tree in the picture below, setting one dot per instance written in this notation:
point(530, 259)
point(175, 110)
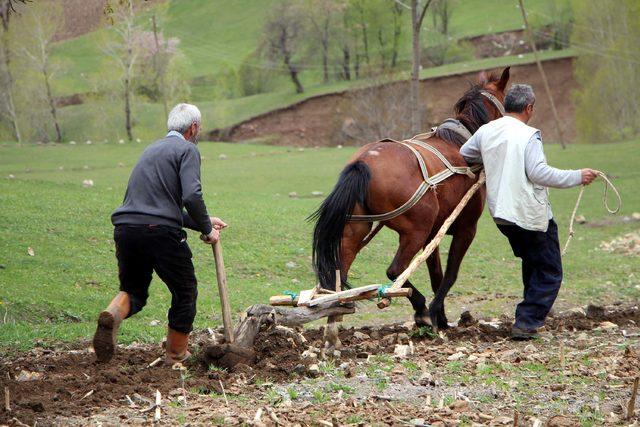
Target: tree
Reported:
point(283, 33)
point(418, 11)
point(39, 25)
point(7, 8)
point(124, 53)
point(322, 13)
point(397, 32)
point(608, 98)
point(155, 56)
point(442, 11)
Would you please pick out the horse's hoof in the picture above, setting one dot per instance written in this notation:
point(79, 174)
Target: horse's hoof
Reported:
point(422, 320)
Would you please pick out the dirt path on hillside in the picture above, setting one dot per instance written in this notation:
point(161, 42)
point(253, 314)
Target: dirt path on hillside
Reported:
point(318, 121)
point(581, 369)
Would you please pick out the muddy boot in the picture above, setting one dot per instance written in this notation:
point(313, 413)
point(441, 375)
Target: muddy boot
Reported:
point(176, 347)
point(105, 338)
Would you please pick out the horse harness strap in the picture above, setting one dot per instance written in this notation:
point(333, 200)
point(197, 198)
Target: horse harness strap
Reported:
point(495, 101)
point(427, 181)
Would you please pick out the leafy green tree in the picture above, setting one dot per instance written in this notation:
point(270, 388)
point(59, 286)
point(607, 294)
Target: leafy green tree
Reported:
point(605, 34)
point(283, 38)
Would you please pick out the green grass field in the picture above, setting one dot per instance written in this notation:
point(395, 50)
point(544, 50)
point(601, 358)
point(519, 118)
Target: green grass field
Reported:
point(57, 294)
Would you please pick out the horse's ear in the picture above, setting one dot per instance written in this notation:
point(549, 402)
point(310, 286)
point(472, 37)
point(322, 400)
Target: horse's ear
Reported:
point(504, 79)
point(482, 77)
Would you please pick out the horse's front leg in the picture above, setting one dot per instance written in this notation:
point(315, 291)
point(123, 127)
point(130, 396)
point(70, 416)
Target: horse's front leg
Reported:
point(459, 246)
point(410, 244)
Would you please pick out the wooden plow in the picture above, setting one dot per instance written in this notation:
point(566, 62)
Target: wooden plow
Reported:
point(296, 309)
point(314, 297)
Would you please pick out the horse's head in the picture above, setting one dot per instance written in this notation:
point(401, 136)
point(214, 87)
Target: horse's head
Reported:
point(494, 85)
point(483, 101)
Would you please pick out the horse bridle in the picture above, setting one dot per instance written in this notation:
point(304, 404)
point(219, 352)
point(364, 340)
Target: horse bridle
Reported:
point(495, 101)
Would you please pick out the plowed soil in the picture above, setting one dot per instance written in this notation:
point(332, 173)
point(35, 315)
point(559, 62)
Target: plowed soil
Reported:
point(584, 354)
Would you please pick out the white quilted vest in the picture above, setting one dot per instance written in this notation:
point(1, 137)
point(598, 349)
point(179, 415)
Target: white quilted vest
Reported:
point(510, 194)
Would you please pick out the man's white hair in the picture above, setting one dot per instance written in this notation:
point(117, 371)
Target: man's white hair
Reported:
point(182, 116)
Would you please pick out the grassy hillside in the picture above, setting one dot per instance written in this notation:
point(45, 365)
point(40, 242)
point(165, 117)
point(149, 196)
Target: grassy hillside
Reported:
point(216, 34)
point(57, 293)
point(99, 120)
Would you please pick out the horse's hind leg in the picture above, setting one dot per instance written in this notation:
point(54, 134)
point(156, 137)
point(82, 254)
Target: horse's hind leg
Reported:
point(410, 244)
point(459, 245)
point(352, 237)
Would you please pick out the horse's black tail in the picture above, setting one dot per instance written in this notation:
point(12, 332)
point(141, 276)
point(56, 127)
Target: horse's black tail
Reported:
point(331, 218)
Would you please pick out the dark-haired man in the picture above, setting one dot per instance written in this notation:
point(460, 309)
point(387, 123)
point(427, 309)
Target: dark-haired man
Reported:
point(517, 180)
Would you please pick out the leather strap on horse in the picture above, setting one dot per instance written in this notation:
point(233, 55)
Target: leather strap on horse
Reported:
point(427, 182)
point(432, 181)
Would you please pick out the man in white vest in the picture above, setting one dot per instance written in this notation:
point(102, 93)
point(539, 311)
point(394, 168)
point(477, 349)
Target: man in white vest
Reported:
point(517, 180)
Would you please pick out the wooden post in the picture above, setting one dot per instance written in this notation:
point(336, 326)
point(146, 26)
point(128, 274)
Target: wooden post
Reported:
point(331, 338)
point(542, 73)
point(221, 276)
point(433, 244)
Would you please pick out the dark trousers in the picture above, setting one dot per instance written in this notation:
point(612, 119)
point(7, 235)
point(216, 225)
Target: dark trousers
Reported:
point(541, 271)
point(142, 249)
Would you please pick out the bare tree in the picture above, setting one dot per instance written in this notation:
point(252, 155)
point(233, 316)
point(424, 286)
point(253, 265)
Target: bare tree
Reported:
point(377, 112)
point(155, 57)
point(7, 8)
point(283, 33)
point(39, 26)
point(322, 14)
point(124, 53)
point(418, 12)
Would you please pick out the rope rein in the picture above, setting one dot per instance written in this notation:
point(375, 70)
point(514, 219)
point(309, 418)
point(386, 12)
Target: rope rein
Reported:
point(605, 202)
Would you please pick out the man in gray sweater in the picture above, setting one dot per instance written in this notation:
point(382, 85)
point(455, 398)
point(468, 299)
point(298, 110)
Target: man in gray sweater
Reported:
point(517, 180)
point(149, 236)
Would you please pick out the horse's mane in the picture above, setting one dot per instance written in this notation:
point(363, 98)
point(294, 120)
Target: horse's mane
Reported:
point(470, 110)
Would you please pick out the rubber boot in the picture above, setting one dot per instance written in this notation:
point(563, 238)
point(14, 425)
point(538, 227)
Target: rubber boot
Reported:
point(105, 338)
point(176, 347)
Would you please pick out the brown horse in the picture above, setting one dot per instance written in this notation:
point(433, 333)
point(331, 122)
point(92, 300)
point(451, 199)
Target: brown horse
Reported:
point(380, 177)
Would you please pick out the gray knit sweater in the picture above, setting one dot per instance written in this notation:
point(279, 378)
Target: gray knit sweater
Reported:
point(165, 180)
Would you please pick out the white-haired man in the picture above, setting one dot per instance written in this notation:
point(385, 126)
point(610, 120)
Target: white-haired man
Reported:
point(149, 236)
point(517, 179)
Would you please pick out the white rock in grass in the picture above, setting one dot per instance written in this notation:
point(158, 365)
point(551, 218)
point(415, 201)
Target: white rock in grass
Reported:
point(72, 143)
point(138, 140)
point(222, 157)
point(120, 164)
point(401, 350)
point(88, 142)
point(317, 193)
point(154, 323)
point(121, 141)
point(30, 251)
point(456, 356)
point(60, 168)
point(85, 167)
point(11, 176)
point(291, 264)
point(339, 146)
point(87, 183)
point(293, 195)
